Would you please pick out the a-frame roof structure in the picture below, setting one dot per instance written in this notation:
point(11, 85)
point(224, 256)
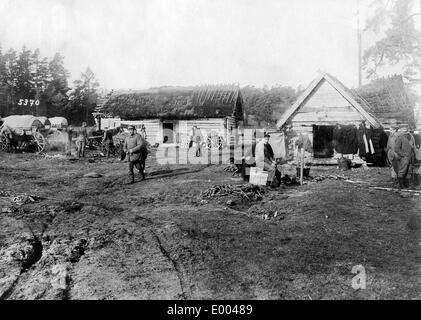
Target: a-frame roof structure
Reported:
point(362, 107)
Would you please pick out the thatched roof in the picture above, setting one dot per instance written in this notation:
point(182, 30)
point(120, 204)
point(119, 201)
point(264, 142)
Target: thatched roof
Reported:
point(388, 99)
point(176, 103)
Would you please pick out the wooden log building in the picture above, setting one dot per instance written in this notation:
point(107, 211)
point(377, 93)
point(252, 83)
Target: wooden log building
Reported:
point(173, 111)
point(323, 105)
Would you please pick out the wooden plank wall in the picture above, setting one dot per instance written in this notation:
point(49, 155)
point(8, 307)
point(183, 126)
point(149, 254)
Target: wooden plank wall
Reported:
point(327, 106)
point(182, 128)
point(153, 129)
point(205, 125)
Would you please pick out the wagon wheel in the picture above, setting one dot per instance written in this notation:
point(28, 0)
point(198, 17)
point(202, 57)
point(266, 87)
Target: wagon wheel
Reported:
point(3, 143)
point(40, 142)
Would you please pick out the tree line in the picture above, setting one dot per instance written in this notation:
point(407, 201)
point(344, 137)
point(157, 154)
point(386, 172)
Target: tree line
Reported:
point(27, 77)
point(33, 84)
point(266, 104)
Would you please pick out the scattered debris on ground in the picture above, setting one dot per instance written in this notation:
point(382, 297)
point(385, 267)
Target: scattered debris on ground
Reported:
point(269, 210)
point(231, 168)
point(20, 198)
point(329, 176)
point(97, 239)
point(236, 172)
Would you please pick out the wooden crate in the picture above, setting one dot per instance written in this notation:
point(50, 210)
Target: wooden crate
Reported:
point(258, 176)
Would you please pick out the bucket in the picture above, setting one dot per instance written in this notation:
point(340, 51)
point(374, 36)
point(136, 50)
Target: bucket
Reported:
point(344, 164)
point(306, 172)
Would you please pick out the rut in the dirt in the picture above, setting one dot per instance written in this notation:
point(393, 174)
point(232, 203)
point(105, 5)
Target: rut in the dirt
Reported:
point(33, 257)
point(185, 289)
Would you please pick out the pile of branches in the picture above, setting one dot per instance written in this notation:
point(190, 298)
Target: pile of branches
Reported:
point(231, 168)
point(236, 171)
point(330, 176)
point(247, 191)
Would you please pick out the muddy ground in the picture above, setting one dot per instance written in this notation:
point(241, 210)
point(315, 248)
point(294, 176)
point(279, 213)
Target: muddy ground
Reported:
point(98, 238)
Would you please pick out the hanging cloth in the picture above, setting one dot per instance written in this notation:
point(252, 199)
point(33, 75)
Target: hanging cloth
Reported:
point(368, 145)
point(345, 139)
point(365, 143)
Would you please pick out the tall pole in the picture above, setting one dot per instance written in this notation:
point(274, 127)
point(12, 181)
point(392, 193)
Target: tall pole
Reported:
point(359, 45)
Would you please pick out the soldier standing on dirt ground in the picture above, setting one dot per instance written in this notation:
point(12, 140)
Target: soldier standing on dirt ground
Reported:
point(135, 148)
point(196, 137)
point(391, 154)
point(69, 132)
point(404, 149)
point(143, 132)
point(82, 140)
point(107, 141)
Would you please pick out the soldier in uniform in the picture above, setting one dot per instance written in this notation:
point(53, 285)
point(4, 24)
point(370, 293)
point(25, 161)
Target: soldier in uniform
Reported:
point(391, 155)
point(107, 140)
point(82, 140)
point(404, 149)
point(135, 148)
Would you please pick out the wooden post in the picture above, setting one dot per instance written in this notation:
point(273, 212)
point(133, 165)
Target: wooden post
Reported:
point(302, 166)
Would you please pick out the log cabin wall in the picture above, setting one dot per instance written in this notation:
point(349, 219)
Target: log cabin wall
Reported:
point(206, 126)
point(153, 129)
point(326, 106)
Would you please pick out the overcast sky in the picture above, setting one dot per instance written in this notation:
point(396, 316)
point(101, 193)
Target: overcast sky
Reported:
point(145, 43)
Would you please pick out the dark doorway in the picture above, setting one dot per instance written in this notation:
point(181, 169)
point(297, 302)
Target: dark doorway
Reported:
point(322, 141)
point(168, 132)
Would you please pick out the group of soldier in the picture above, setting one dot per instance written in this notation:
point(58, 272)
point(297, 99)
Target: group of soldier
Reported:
point(134, 147)
point(401, 154)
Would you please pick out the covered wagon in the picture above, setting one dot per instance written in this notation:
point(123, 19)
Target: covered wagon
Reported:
point(58, 122)
point(44, 120)
point(22, 132)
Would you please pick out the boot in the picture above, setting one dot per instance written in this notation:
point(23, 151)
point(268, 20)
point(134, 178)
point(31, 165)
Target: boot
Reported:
point(417, 179)
point(401, 183)
point(142, 175)
point(131, 180)
point(406, 183)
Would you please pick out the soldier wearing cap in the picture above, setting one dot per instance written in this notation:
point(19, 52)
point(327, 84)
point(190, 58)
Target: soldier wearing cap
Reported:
point(135, 148)
point(404, 149)
point(390, 149)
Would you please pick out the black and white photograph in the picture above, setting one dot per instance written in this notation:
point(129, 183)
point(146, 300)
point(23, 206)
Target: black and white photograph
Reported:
point(210, 150)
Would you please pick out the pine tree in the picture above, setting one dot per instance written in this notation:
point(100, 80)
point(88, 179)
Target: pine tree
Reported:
point(10, 81)
point(55, 94)
point(3, 85)
point(83, 98)
point(401, 43)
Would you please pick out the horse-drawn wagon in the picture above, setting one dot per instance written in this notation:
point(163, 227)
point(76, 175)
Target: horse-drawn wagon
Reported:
point(23, 132)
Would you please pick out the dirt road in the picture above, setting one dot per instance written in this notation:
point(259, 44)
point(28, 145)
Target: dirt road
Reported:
point(98, 238)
